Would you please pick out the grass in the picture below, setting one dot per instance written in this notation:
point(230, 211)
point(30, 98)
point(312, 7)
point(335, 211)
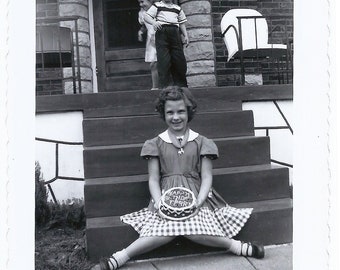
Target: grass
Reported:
point(60, 249)
point(60, 231)
point(60, 239)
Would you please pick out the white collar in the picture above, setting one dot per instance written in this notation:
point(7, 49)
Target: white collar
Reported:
point(165, 136)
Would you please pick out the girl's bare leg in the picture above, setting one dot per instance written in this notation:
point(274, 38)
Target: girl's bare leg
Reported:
point(145, 244)
point(211, 241)
point(154, 75)
point(234, 246)
point(139, 246)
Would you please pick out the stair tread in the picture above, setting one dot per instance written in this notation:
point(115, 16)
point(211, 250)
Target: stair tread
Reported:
point(259, 206)
point(120, 146)
point(143, 177)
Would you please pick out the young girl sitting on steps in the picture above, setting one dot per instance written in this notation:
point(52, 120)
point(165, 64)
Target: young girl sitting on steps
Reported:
point(180, 157)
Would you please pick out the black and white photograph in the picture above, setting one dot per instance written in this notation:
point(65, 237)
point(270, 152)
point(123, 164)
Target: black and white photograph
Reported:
point(169, 134)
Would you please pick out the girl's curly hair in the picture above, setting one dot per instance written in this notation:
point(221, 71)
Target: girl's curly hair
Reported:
point(176, 93)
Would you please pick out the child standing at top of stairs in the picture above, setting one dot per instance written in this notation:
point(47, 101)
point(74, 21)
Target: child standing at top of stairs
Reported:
point(180, 157)
point(150, 47)
point(168, 19)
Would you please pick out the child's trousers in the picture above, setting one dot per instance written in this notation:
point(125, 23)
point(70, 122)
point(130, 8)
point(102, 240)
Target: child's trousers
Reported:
point(170, 57)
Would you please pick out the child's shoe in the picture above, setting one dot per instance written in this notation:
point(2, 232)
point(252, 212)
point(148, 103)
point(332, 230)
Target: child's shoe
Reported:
point(106, 264)
point(113, 262)
point(109, 264)
point(257, 250)
point(247, 249)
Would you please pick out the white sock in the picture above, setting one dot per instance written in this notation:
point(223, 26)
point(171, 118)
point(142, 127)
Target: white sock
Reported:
point(239, 248)
point(235, 247)
point(119, 258)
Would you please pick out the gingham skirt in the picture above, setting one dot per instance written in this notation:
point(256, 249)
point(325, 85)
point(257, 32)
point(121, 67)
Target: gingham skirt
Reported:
point(226, 221)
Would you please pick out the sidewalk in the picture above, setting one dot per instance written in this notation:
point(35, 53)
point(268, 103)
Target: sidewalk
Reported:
point(276, 258)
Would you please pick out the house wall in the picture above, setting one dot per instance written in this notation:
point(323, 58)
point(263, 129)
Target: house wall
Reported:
point(46, 9)
point(206, 55)
point(67, 127)
point(229, 73)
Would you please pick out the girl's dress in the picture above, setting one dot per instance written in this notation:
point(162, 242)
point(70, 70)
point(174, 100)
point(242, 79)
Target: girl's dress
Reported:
point(215, 217)
point(150, 47)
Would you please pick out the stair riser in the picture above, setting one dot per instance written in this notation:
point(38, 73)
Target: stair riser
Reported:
point(115, 131)
point(116, 199)
point(262, 230)
point(127, 67)
point(127, 161)
point(141, 108)
point(136, 82)
point(143, 101)
point(268, 228)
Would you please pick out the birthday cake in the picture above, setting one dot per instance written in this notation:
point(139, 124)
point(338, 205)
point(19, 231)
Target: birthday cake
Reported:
point(177, 203)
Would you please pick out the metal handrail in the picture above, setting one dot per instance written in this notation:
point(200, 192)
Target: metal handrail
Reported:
point(268, 128)
point(46, 22)
point(57, 176)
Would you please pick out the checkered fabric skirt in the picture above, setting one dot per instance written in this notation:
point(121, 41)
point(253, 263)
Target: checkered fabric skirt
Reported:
point(226, 221)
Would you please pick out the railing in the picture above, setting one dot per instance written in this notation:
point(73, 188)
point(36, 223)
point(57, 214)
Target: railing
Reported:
point(52, 22)
point(268, 128)
point(284, 73)
point(57, 176)
point(288, 42)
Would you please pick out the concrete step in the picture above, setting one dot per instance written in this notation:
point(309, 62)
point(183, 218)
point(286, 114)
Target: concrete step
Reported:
point(123, 160)
point(149, 109)
point(270, 223)
point(137, 129)
point(142, 102)
point(125, 54)
point(128, 82)
point(128, 67)
point(114, 196)
point(126, 62)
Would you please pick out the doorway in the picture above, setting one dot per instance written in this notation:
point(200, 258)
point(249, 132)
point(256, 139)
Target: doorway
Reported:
point(120, 56)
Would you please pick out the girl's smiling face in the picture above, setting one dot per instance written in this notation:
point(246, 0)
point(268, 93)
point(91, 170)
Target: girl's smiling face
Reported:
point(176, 116)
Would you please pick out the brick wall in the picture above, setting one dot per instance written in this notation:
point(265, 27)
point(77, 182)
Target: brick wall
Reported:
point(228, 73)
point(46, 8)
point(49, 81)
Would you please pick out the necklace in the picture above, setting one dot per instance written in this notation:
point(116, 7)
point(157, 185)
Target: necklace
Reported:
point(179, 141)
point(181, 150)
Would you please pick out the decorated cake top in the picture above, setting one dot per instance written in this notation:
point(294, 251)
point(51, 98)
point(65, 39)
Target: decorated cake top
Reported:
point(178, 198)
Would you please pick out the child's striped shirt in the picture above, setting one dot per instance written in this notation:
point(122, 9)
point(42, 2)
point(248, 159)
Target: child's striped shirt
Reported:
point(167, 13)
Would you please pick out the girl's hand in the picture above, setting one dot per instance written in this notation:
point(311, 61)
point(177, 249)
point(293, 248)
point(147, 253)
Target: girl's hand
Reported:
point(140, 36)
point(199, 203)
point(156, 204)
point(157, 25)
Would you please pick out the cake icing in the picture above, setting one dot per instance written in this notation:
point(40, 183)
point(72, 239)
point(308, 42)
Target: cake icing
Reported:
point(177, 203)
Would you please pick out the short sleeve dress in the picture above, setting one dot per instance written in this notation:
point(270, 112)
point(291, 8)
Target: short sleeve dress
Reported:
point(215, 217)
point(150, 47)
